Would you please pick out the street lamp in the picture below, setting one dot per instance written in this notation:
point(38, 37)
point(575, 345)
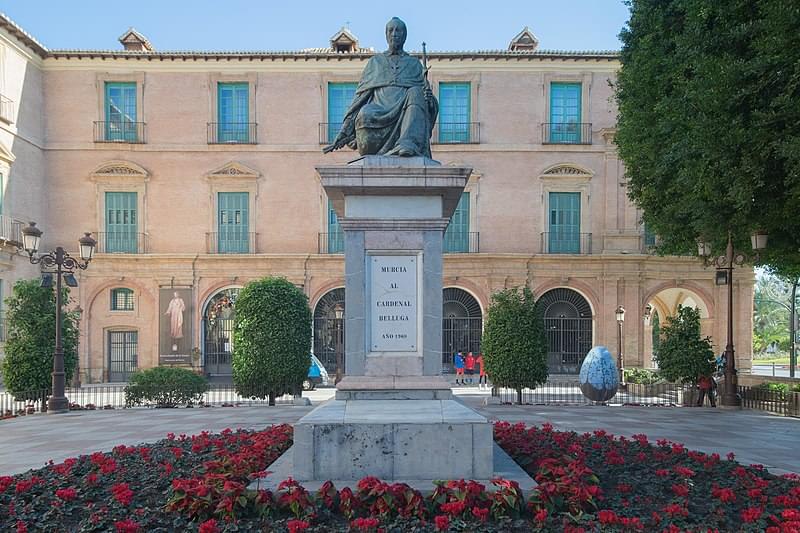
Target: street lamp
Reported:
point(338, 313)
point(620, 315)
point(724, 265)
point(64, 265)
point(648, 314)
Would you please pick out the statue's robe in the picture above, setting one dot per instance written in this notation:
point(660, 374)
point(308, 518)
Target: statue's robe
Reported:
point(389, 112)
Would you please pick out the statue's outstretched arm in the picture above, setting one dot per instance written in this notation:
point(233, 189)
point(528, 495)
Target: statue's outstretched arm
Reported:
point(347, 133)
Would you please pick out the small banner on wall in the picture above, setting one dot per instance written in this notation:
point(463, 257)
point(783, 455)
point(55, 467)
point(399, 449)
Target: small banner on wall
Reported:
point(175, 327)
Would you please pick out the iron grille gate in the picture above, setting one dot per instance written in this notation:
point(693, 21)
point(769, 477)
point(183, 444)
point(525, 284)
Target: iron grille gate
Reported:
point(218, 347)
point(460, 333)
point(328, 342)
point(123, 349)
point(569, 339)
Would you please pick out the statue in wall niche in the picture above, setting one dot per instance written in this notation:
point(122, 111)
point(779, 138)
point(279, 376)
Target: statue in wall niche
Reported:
point(393, 110)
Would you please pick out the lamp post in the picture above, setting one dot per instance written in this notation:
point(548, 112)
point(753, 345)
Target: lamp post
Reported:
point(724, 265)
point(338, 312)
point(620, 315)
point(60, 263)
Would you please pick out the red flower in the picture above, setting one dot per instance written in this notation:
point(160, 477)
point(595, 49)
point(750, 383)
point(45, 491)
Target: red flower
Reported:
point(790, 514)
point(541, 515)
point(442, 522)
point(364, 524)
point(724, 495)
point(751, 514)
point(67, 494)
point(91, 478)
point(295, 526)
point(662, 473)
point(126, 526)
point(607, 517)
point(683, 471)
point(21, 527)
point(453, 508)
point(480, 514)
point(674, 509)
point(731, 456)
point(122, 493)
point(209, 526)
point(680, 490)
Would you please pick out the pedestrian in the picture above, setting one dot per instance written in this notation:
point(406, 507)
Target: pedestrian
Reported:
point(469, 364)
point(458, 363)
point(704, 384)
point(482, 377)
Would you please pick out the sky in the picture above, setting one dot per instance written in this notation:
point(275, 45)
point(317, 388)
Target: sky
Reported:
point(296, 24)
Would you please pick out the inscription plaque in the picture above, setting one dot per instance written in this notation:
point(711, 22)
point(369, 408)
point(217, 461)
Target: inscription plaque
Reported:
point(393, 303)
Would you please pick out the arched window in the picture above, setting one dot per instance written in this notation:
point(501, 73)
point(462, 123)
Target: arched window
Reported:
point(568, 322)
point(462, 324)
point(328, 330)
point(122, 299)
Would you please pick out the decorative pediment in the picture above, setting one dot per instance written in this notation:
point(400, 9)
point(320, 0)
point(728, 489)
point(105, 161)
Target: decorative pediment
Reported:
point(566, 170)
point(6, 155)
point(524, 41)
point(233, 170)
point(135, 41)
point(344, 41)
point(120, 169)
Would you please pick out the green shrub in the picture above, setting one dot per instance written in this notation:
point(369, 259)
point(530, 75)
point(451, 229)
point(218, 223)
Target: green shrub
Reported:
point(272, 339)
point(642, 376)
point(774, 387)
point(682, 354)
point(31, 320)
point(514, 342)
point(165, 386)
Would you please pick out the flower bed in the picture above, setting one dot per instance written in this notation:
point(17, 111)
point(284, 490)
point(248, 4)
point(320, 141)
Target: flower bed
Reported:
point(588, 482)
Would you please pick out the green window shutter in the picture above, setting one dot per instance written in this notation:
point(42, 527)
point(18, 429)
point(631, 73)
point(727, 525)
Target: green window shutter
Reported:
point(120, 111)
point(565, 112)
point(335, 234)
point(121, 299)
point(121, 222)
point(565, 223)
point(649, 237)
point(233, 234)
point(340, 96)
point(233, 112)
point(454, 112)
point(456, 238)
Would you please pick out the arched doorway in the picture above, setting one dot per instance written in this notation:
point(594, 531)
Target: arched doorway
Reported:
point(218, 317)
point(329, 330)
point(462, 325)
point(568, 322)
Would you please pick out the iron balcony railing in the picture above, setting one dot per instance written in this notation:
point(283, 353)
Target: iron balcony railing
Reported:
point(6, 109)
point(456, 133)
point(462, 242)
point(330, 243)
point(232, 133)
point(232, 242)
point(121, 242)
point(567, 133)
point(119, 131)
point(566, 243)
point(10, 231)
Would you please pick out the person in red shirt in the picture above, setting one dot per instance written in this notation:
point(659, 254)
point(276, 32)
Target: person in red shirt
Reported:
point(483, 379)
point(705, 385)
point(469, 364)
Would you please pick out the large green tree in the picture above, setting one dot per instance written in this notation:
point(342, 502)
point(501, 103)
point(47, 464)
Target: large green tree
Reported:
point(709, 122)
point(683, 354)
point(514, 343)
point(272, 339)
point(31, 323)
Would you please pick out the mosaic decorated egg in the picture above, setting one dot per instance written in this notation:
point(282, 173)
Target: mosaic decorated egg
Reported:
point(599, 377)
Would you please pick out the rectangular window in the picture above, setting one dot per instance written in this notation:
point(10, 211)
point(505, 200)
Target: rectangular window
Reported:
point(121, 223)
point(564, 235)
point(454, 112)
point(120, 112)
point(123, 354)
point(233, 233)
point(340, 96)
point(121, 299)
point(565, 113)
point(233, 112)
point(456, 238)
point(335, 234)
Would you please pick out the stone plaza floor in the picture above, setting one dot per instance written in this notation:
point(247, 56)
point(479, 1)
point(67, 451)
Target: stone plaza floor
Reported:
point(755, 437)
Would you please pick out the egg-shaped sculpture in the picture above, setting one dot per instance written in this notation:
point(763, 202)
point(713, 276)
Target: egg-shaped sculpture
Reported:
point(599, 376)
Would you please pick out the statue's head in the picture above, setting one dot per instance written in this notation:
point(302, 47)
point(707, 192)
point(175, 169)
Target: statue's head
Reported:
point(396, 34)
